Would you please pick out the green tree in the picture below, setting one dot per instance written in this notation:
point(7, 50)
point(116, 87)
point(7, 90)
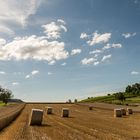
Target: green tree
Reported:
point(120, 96)
point(5, 94)
point(69, 101)
point(128, 89)
point(75, 101)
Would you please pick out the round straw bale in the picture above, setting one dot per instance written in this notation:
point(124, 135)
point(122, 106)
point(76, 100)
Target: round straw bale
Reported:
point(117, 113)
point(129, 111)
point(90, 107)
point(36, 117)
point(65, 112)
point(123, 111)
point(49, 110)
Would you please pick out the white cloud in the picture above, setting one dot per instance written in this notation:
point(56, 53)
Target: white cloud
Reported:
point(6, 30)
point(87, 61)
point(27, 76)
point(50, 73)
point(64, 64)
point(2, 42)
point(76, 51)
point(53, 30)
point(96, 55)
point(33, 47)
point(15, 83)
point(34, 72)
point(17, 11)
point(61, 21)
point(83, 35)
point(105, 57)
point(128, 35)
point(108, 46)
point(96, 63)
point(52, 62)
point(95, 51)
point(99, 38)
point(134, 73)
point(2, 72)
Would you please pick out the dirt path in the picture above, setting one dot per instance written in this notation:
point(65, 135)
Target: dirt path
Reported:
point(82, 124)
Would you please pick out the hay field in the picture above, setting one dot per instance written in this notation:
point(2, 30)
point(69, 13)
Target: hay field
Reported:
point(83, 124)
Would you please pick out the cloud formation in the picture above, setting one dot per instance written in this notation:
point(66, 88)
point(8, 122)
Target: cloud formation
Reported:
point(95, 51)
point(128, 35)
point(53, 30)
point(64, 64)
point(98, 38)
point(15, 83)
point(50, 73)
point(105, 57)
point(27, 76)
point(2, 41)
point(83, 36)
point(76, 51)
point(33, 47)
point(134, 73)
point(96, 63)
point(108, 46)
point(52, 62)
point(6, 30)
point(87, 61)
point(33, 73)
point(17, 12)
point(36, 47)
point(2, 72)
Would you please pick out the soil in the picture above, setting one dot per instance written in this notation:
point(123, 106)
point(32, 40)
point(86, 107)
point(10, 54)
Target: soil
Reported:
point(82, 124)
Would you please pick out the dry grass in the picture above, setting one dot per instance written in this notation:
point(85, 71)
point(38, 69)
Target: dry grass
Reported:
point(81, 125)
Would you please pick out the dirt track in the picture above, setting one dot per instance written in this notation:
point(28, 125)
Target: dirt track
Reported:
point(81, 125)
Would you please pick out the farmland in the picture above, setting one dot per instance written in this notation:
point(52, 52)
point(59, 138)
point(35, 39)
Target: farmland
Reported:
point(83, 124)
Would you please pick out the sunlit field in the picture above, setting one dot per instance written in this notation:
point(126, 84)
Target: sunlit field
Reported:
point(82, 124)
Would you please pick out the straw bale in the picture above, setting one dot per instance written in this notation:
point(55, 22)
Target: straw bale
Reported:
point(65, 112)
point(90, 107)
point(117, 113)
point(49, 110)
point(36, 117)
point(123, 111)
point(129, 111)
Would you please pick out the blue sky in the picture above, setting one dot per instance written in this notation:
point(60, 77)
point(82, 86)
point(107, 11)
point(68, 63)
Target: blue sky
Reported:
point(55, 50)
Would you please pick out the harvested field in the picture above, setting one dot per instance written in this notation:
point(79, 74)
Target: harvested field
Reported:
point(83, 124)
point(9, 113)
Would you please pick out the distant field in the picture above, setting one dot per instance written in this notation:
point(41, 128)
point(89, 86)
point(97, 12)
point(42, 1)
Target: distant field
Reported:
point(83, 124)
point(111, 99)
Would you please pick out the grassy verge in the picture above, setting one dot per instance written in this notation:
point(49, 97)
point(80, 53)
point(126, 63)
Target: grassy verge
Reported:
point(2, 104)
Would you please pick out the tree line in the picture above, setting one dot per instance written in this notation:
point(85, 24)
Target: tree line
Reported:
point(130, 91)
point(133, 89)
